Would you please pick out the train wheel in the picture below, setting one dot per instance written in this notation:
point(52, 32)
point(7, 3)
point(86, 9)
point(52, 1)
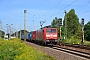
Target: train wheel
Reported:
point(44, 43)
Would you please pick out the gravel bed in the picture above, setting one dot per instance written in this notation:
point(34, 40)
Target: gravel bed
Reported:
point(59, 55)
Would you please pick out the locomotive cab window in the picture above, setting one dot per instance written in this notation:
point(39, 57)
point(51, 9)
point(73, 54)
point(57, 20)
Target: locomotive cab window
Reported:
point(51, 30)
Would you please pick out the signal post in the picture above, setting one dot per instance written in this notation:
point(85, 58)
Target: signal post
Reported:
point(60, 24)
point(82, 42)
point(25, 25)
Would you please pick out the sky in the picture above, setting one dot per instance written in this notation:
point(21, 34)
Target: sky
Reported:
point(12, 12)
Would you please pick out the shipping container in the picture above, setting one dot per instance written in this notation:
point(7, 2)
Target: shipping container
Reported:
point(30, 36)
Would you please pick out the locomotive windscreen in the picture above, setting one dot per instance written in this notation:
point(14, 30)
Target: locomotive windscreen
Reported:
point(51, 30)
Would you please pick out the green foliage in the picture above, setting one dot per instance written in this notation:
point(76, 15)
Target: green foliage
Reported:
point(73, 26)
point(15, 49)
point(87, 31)
point(78, 33)
point(72, 40)
point(72, 23)
point(55, 23)
point(87, 43)
point(74, 29)
point(2, 33)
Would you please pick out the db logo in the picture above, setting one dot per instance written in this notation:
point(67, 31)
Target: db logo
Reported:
point(51, 36)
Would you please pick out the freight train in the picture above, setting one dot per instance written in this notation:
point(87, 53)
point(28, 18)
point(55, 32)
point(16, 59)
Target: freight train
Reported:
point(46, 35)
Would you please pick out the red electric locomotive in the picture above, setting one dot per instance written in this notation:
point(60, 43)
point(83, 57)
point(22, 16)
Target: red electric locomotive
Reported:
point(47, 35)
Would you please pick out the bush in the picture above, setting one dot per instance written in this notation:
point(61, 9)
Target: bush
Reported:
point(76, 41)
point(15, 49)
point(87, 43)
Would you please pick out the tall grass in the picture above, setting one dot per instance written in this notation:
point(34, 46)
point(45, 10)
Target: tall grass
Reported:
point(76, 41)
point(15, 49)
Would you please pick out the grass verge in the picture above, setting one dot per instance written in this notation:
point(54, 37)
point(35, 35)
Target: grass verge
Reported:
point(76, 41)
point(15, 49)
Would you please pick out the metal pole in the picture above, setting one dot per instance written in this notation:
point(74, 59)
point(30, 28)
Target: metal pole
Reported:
point(82, 42)
point(7, 31)
point(14, 33)
point(82, 36)
point(60, 33)
point(7, 28)
point(41, 23)
point(24, 25)
point(60, 24)
point(65, 30)
point(17, 33)
point(60, 36)
point(10, 32)
point(20, 33)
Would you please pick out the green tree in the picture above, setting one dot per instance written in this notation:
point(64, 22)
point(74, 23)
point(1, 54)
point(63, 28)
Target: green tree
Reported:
point(55, 23)
point(87, 31)
point(2, 34)
point(78, 34)
point(72, 23)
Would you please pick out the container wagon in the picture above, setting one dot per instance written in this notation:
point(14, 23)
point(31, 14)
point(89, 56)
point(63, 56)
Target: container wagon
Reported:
point(33, 35)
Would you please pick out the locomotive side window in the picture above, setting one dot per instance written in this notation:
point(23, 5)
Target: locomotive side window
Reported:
point(51, 30)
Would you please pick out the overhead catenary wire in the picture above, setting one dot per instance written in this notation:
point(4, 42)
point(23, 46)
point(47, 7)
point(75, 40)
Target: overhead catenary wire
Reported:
point(85, 12)
point(85, 6)
point(62, 9)
point(54, 7)
point(70, 5)
point(58, 5)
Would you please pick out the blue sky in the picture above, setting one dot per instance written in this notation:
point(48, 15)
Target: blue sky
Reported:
point(12, 12)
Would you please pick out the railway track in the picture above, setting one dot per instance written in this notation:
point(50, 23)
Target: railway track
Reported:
point(79, 46)
point(72, 51)
point(85, 55)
